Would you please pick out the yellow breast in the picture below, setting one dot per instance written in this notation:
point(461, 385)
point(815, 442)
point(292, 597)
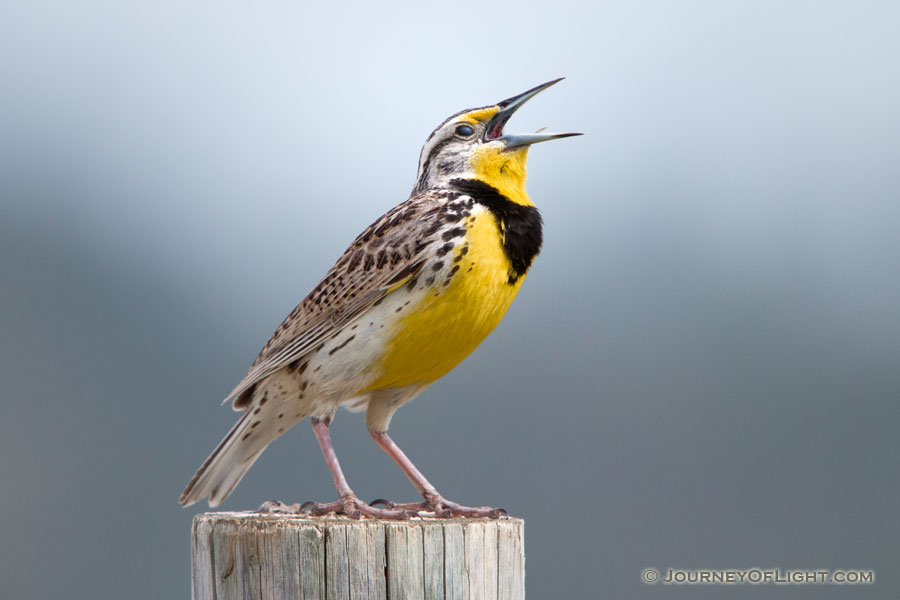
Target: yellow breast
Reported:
point(450, 321)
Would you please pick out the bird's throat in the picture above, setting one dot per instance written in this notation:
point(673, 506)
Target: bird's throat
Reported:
point(503, 170)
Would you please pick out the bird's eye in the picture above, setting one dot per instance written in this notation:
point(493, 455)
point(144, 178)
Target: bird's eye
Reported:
point(465, 131)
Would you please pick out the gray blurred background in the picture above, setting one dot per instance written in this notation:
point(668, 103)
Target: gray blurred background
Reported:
point(702, 370)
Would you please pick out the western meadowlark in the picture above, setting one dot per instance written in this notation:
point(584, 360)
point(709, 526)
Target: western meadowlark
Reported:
point(411, 297)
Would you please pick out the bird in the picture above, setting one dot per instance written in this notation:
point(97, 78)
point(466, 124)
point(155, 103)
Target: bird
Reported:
point(411, 297)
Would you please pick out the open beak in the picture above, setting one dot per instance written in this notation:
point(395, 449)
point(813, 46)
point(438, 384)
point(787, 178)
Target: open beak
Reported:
point(508, 107)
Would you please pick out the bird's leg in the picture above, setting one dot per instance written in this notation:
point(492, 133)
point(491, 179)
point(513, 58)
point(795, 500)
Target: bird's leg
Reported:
point(434, 502)
point(348, 502)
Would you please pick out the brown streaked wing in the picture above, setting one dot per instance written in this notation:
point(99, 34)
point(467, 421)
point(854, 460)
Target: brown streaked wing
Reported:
point(386, 255)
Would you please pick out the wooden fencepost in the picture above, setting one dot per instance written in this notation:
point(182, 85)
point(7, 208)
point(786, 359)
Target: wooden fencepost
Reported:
point(246, 555)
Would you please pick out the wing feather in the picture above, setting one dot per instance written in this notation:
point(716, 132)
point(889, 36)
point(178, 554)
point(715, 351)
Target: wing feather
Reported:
point(380, 260)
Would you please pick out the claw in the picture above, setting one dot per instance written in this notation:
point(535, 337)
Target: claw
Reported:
point(354, 508)
point(317, 509)
point(444, 508)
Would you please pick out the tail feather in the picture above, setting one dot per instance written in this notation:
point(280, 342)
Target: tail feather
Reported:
point(236, 453)
point(222, 471)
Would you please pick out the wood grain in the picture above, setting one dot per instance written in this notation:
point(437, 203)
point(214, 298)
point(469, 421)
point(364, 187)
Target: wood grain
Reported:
point(245, 555)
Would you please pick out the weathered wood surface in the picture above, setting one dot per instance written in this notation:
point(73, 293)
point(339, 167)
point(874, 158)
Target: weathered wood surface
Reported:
point(244, 555)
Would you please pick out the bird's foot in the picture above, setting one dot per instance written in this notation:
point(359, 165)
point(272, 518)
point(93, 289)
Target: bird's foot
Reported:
point(443, 508)
point(351, 506)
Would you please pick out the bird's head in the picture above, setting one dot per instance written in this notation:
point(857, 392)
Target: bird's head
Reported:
point(472, 145)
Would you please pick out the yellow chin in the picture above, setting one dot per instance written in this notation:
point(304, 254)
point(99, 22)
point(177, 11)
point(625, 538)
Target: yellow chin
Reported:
point(502, 169)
